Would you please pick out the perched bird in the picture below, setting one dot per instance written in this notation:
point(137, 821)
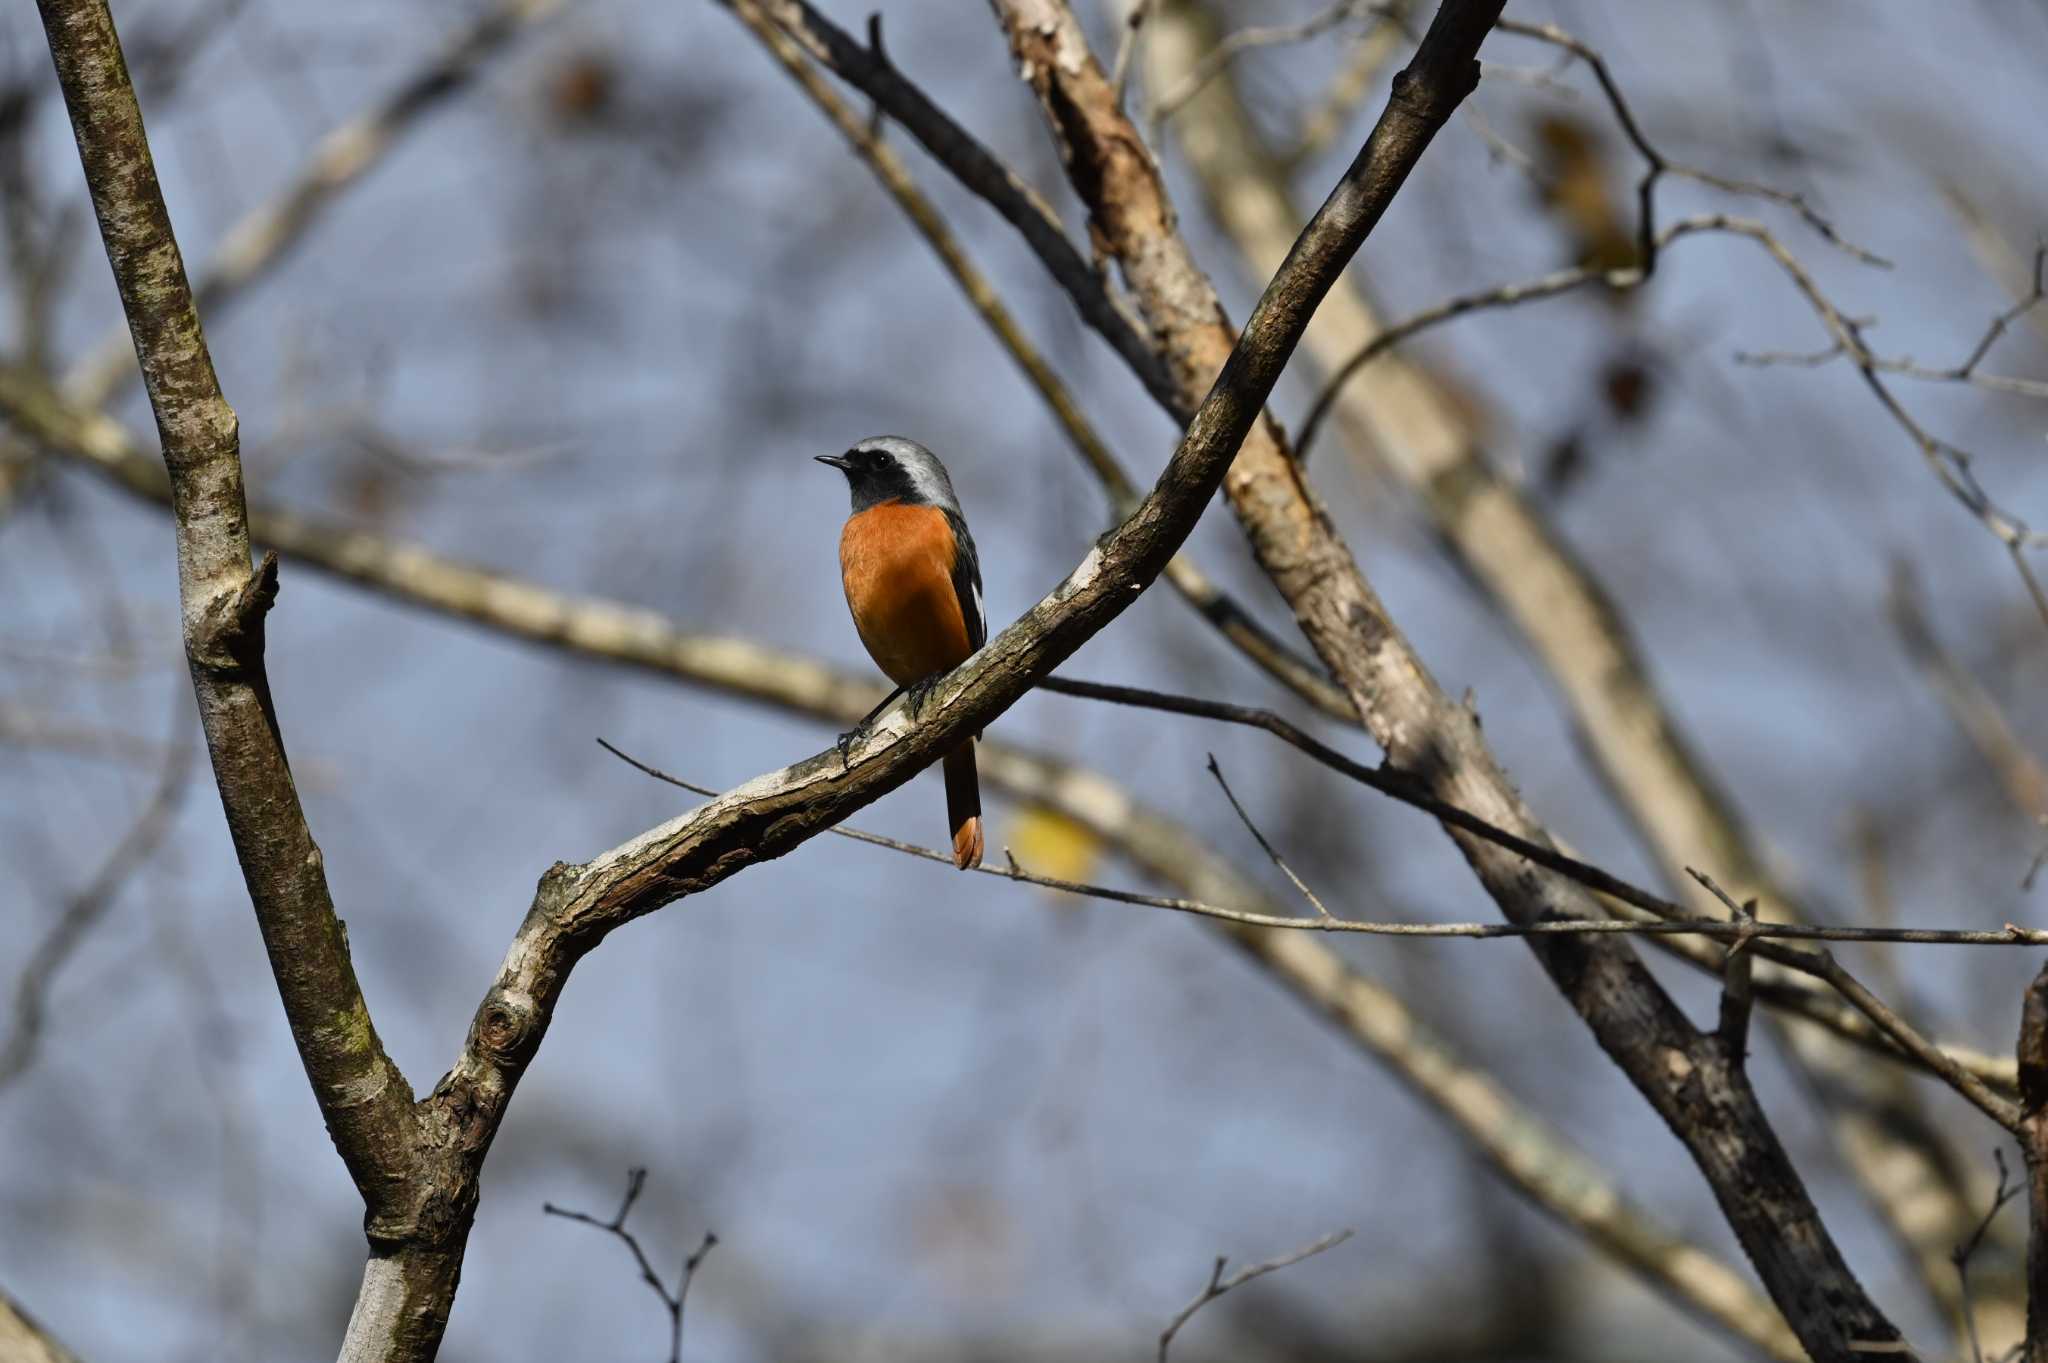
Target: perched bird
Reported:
point(913, 584)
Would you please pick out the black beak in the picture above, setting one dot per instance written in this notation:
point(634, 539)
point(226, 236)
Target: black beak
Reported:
point(837, 461)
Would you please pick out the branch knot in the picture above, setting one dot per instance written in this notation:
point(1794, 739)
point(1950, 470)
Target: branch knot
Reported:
point(504, 1028)
point(228, 638)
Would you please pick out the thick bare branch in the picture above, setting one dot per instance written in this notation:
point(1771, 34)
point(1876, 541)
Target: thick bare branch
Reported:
point(1504, 542)
point(1706, 1099)
point(362, 1095)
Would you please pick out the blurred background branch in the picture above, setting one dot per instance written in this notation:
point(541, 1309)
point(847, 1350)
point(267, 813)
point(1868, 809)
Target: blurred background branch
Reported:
point(605, 292)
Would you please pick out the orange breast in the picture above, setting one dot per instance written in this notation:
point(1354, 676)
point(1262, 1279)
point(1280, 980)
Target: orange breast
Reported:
point(897, 562)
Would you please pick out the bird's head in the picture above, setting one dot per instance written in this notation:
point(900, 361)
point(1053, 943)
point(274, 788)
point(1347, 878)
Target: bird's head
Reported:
point(889, 468)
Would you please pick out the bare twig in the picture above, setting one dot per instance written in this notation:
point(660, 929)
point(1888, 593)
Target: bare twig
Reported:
point(1680, 925)
point(1737, 986)
point(1824, 964)
point(671, 1301)
point(1821, 964)
point(1127, 45)
point(1951, 465)
point(1657, 165)
point(1537, 1160)
point(983, 174)
point(1218, 1284)
point(2004, 1193)
point(1247, 39)
point(1965, 372)
point(1265, 846)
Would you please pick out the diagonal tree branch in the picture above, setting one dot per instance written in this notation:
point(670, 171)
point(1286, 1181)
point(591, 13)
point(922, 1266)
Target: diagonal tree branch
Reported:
point(363, 1097)
point(1689, 1077)
point(410, 1281)
point(1509, 550)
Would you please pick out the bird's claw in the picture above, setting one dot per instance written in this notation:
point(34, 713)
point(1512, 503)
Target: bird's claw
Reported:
point(919, 692)
point(846, 742)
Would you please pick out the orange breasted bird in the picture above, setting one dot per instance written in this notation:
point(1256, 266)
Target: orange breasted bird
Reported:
point(913, 584)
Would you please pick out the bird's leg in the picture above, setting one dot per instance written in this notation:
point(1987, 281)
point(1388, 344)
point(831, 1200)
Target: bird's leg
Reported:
point(846, 740)
point(921, 691)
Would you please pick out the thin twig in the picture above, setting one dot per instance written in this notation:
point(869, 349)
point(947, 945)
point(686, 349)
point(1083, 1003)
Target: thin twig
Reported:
point(1965, 372)
point(1245, 40)
point(672, 1302)
point(1659, 165)
point(1951, 465)
point(1400, 786)
point(2005, 1193)
point(1737, 989)
point(1824, 964)
point(1218, 1284)
point(1264, 846)
point(1679, 924)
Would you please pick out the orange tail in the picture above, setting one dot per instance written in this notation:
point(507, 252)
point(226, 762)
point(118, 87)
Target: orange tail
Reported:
point(963, 805)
